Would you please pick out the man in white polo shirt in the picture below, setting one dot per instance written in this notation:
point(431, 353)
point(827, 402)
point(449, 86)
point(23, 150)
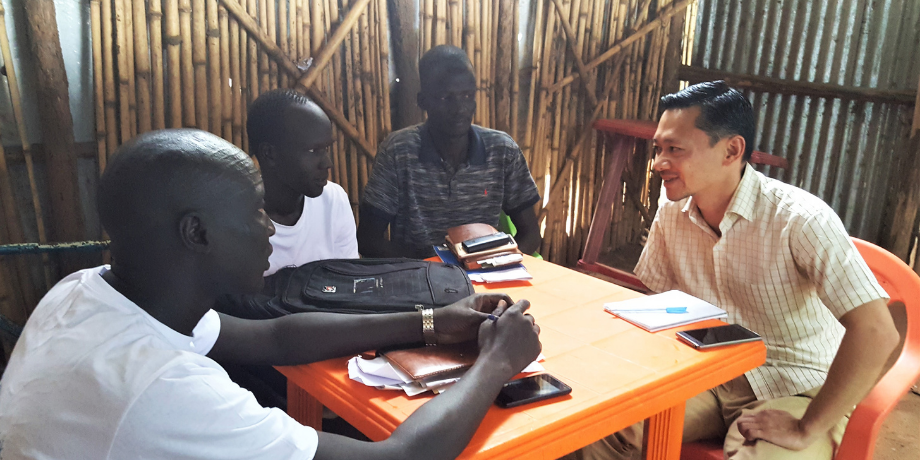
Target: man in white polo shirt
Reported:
point(290, 136)
point(779, 261)
point(119, 363)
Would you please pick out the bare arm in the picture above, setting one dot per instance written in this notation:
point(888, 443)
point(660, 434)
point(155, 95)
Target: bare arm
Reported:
point(372, 241)
point(443, 427)
point(308, 337)
point(869, 340)
point(528, 230)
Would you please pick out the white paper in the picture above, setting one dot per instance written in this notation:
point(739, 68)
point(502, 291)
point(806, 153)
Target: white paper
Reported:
point(656, 320)
point(497, 276)
point(380, 374)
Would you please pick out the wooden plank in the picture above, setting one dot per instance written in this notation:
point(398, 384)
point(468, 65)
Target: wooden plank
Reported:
point(781, 86)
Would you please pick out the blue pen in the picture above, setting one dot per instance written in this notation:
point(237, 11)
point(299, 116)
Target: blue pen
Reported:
point(492, 317)
point(654, 310)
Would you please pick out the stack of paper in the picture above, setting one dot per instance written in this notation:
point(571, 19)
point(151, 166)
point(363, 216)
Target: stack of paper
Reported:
point(379, 373)
point(651, 312)
point(515, 272)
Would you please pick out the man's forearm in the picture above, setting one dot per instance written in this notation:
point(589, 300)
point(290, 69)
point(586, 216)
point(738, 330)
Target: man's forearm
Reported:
point(309, 337)
point(528, 242)
point(865, 349)
point(440, 429)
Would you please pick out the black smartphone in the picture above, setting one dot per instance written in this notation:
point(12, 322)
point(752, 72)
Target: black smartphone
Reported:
point(486, 242)
point(530, 389)
point(710, 337)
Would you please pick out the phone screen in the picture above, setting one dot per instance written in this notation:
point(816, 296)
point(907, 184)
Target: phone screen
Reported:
point(530, 389)
point(721, 335)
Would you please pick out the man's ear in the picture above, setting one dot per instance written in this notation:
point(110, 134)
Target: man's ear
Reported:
point(266, 154)
point(193, 233)
point(734, 149)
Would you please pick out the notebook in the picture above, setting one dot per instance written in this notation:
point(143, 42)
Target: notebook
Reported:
point(649, 312)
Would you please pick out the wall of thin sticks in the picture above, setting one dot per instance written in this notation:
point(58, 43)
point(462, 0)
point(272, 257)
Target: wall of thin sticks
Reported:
point(190, 63)
point(545, 70)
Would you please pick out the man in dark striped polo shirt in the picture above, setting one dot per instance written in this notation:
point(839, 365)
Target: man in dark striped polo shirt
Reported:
point(445, 172)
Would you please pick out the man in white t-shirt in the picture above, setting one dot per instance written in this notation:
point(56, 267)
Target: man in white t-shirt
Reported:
point(290, 136)
point(119, 363)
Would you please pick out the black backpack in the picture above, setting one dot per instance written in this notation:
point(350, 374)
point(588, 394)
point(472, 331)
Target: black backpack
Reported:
point(352, 286)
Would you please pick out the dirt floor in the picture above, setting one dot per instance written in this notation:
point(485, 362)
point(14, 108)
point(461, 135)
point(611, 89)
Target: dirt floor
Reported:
point(900, 436)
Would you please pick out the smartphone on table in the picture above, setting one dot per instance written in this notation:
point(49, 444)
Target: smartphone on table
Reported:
point(711, 337)
point(531, 389)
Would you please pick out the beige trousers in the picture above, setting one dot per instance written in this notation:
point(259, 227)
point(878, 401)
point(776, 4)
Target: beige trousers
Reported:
point(713, 415)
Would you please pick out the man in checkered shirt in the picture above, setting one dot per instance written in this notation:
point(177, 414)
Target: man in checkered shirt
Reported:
point(779, 261)
point(445, 172)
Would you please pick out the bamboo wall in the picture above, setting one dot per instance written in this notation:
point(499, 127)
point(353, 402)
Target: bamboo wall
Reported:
point(199, 63)
point(194, 63)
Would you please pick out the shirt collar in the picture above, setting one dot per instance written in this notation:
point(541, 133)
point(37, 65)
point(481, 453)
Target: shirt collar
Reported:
point(743, 200)
point(476, 151)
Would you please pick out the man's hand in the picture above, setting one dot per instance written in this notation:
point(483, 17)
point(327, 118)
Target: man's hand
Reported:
point(775, 426)
point(459, 321)
point(512, 341)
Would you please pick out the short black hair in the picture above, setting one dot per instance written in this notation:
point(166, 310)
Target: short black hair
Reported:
point(155, 177)
point(439, 59)
point(265, 115)
point(724, 111)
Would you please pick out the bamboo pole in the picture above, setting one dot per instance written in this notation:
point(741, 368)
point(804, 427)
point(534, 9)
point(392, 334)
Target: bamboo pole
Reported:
point(200, 62)
point(132, 78)
point(187, 65)
point(369, 99)
point(108, 76)
point(478, 66)
point(226, 91)
point(95, 14)
point(515, 70)
point(54, 114)
point(503, 64)
point(215, 84)
point(326, 54)
point(306, 37)
point(316, 30)
point(664, 15)
point(283, 38)
point(236, 93)
point(142, 67)
point(271, 49)
point(335, 89)
point(16, 100)
point(384, 40)
point(122, 60)
point(469, 33)
point(295, 26)
point(427, 23)
point(255, 55)
point(528, 142)
point(173, 57)
point(572, 41)
point(158, 115)
point(273, 35)
point(264, 68)
point(350, 107)
point(246, 59)
point(15, 234)
point(456, 23)
point(440, 23)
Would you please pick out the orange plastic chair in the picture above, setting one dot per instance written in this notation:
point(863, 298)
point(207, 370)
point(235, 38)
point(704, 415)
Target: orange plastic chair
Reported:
point(858, 443)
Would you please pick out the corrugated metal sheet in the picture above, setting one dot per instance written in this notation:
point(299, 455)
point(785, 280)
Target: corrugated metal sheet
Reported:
point(842, 151)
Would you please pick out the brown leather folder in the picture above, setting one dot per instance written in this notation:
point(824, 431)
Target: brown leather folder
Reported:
point(423, 362)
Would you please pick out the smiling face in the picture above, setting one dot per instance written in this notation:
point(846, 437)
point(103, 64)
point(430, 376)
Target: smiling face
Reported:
point(301, 159)
point(687, 160)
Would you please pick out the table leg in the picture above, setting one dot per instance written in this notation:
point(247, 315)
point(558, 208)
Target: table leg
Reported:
point(303, 407)
point(663, 433)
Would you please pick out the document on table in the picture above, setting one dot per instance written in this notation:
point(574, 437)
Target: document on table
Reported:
point(379, 373)
point(650, 312)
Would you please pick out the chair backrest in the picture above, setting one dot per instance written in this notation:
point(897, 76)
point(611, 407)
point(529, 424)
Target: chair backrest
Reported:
point(903, 285)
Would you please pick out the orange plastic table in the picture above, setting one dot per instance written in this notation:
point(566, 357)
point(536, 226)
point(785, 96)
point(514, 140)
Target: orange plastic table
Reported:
point(619, 374)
